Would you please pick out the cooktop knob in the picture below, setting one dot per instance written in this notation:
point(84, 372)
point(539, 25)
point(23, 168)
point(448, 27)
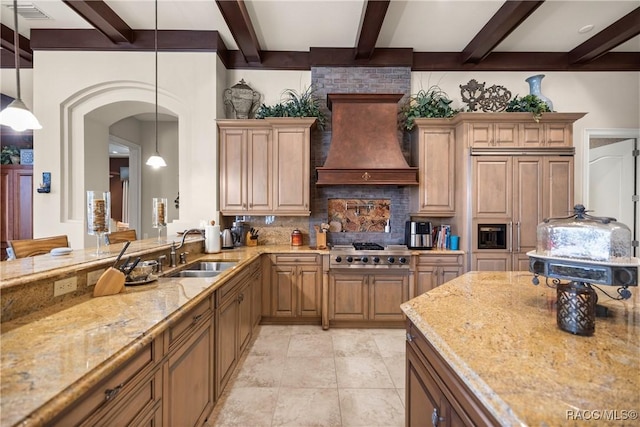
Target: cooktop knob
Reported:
point(365, 259)
point(338, 259)
point(391, 260)
point(402, 260)
point(376, 259)
point(349, 259)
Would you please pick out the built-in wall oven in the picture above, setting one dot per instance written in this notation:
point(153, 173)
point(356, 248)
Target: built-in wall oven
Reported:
point(492, 236)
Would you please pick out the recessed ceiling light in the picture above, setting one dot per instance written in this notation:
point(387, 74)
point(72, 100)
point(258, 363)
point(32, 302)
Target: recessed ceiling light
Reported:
point(586, 29)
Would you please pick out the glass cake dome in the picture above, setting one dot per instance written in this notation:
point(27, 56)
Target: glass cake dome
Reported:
point(584, 237)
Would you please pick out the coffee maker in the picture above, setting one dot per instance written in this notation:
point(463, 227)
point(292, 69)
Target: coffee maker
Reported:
point(239, 230)
point(418, 235)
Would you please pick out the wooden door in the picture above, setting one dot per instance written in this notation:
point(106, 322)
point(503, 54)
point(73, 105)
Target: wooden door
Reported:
point(480, 135)
point(256, 296)
point(449, 272)
point(309, 291)
point(491, 261)
point(386, 293)
point(527, 202)
point(531, 135)
point(558, 134)
point(6, 205)
point(283, 286)
point(492, 186)
point(227, 345)
point(423, 395)
point(259, 170)
point(291, 169)
point(233, 170)
point(426, 279)
point(348, 296)
point(437, 171)
point(506, 134)
point(190, 379)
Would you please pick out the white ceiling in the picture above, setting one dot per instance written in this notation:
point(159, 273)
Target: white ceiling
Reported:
point(297, 25)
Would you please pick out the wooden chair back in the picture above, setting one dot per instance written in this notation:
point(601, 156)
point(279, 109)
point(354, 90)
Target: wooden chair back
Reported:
point(31, 247)
point(121, 236)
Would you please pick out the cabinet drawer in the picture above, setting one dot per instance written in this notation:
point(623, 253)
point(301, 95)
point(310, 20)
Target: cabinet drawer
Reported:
point(295, 259)
point(440, 259)
point(228, 290)
point(190, 320)
point(110, 392)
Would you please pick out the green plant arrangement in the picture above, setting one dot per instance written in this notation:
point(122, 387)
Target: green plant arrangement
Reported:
point(432, 103)
point(528, 103)
point(295, 104)
point(10, 154)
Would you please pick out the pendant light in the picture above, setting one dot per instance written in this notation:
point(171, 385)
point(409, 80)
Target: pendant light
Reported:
point(156, 161)
point(17, 115)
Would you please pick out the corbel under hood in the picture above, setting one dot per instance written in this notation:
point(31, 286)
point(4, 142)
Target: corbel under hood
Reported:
point(364, 146)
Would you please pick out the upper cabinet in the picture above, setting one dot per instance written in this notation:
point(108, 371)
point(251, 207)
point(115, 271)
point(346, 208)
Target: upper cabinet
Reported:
point(265, 166)
point(506, 130)
point(433, 151)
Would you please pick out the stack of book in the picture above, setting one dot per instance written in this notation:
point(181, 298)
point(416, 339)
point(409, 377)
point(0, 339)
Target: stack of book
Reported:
point(441, 237)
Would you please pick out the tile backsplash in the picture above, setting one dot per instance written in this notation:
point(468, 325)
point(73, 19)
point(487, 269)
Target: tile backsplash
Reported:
point(358, 215)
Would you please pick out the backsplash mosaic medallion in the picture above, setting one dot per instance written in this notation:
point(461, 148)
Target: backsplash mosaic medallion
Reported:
point(358, 215)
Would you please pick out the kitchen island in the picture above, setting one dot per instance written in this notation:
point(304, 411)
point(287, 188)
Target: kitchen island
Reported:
point(500, 358)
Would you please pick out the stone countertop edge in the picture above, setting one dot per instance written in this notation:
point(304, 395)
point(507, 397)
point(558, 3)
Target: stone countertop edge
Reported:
point(498, 408)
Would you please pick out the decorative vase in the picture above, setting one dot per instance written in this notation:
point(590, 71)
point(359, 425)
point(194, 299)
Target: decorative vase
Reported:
point(535, 83)
point(98, 217)
point(241, 101)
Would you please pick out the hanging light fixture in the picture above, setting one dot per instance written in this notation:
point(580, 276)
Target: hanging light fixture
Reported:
point(17, 115)
point(156, 161)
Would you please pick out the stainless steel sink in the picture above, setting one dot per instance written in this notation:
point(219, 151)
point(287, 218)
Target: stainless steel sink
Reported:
point(204, 269)
point(195, 273)
point(212, 265)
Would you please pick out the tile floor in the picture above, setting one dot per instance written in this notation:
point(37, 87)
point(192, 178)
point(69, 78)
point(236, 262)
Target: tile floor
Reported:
point(303, 376)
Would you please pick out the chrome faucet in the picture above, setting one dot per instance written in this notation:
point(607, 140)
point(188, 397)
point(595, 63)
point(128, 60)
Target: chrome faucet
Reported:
point(172, 255)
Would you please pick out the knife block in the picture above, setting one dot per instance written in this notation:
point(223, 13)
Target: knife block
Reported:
point(251, 241)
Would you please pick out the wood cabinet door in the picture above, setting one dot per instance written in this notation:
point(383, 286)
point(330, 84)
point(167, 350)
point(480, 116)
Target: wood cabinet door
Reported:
point(506, 135)
point(283, 290)
point(527, 202)
point(437, 171)
point(386, 293)
point(492, 186)
point(449, 272)
point(422, 393)
point(233, 170)
point(6, 205)
point(291, 170)
point(558, 135)
point(348, 296)
point(259, 170)
point(256, 296)
point(558, 186)
point(309, 295)
point(190, 379)
point(531, 135)
point(245, 320)
point(227, 344)
point(426, 279)
point(480, 135)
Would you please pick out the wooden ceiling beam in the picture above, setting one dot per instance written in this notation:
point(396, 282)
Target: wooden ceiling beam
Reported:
point(371, 25)
point(510, 15)
point(7, 42)
point(614, 35)
point(237, 18)
point(102, 18)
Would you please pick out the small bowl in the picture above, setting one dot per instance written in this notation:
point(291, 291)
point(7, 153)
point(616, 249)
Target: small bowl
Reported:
point(142, 271)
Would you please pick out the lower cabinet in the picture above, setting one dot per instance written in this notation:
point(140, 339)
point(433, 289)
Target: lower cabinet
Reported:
point(234, 322)
point(434, 394)
point(364, 297)
point(189, 377)
point(295, 286)
point(129, 396)
point(434, 270)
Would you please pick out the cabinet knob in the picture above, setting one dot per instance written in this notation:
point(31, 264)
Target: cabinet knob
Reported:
point(435, 418)
point(110, 393)
point(409, 337)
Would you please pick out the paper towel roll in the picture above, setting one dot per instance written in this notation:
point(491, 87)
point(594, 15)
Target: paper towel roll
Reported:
point(212, 239)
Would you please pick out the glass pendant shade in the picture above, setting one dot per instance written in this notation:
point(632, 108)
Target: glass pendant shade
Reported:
point(156, 161)
point(18, 117)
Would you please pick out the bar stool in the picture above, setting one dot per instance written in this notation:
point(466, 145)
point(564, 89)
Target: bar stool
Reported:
point(121, 236)
point(31, 247)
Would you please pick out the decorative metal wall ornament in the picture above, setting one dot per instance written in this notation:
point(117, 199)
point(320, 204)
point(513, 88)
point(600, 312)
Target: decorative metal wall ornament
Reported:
point(241, 101)
point(495, 98)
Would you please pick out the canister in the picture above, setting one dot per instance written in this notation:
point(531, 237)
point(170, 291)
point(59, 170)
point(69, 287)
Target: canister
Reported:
point(296, 238)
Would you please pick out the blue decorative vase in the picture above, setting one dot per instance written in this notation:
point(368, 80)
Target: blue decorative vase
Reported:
point(535, 83)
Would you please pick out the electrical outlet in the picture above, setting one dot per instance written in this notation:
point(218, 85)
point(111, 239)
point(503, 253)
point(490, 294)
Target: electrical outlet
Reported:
point(93, 276)
point(64, 286)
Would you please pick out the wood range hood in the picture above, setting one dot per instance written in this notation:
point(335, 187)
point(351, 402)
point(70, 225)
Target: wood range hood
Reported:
point(364, 146)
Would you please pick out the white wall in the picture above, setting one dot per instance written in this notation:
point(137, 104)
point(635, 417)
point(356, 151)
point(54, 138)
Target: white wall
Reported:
point(269, 83)
point(611, 99)
point(73, 84)
point(8, 84)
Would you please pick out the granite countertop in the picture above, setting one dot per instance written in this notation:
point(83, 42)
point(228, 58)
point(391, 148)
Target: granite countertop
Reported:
point(498, 333)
